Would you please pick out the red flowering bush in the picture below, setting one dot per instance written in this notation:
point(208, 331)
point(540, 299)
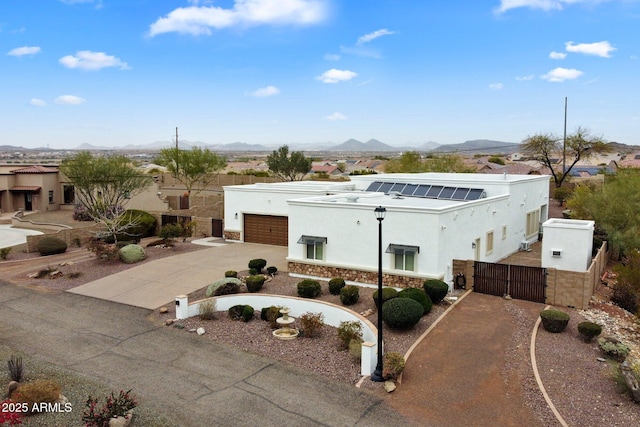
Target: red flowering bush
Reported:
point(9, 415)
point(115, 406)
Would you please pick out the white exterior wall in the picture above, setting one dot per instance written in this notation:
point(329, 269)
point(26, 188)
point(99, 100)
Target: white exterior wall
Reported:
point(573, 239)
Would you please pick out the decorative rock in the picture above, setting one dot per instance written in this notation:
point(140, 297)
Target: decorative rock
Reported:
point(192, 330)
point(62, 399)
point(601, 359)
point(131, 254)
point(168, 322)
point(32, 275)
point(368, 312)
point(55, 274)
point(507, 297)
point(164, 310)
point(389, 386)
point(200, 331)
point(13, 385)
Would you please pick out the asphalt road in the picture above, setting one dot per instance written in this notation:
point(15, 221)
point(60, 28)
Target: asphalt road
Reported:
point(200, 382)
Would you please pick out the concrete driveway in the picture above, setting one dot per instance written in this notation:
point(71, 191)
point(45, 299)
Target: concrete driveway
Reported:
point(156, 283)
point(197, 382)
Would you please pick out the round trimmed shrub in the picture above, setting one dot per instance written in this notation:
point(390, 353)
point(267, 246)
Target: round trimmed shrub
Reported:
point(241, 312)
point(226, 286)
point(349, 295)
point(144, 223)
point(401, 313)
point(254, 283)
point(419, 296)
point(554, 320)
point(589, 330)
point(387, 294)
point(51, 246)
point(258, 264)
point(309, 288)
point(272, 270)
point(130, 254)
point(231, 273)
point(335, 285)
point(270, 314)
point(436, 289)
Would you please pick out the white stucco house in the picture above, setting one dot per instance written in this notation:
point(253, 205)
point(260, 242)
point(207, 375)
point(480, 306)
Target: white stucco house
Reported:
point(431, 218)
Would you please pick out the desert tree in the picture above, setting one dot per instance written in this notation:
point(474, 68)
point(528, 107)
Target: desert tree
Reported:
point(195, 167)
point(288, 167)
point(545, 147)
point(102, 186)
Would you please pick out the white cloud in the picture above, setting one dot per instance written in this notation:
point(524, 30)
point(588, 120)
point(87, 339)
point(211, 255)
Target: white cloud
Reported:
point(332, 57)
point(197, 20)
point(69, 100)
point(562, 74)
point(525, 78)
point(71, 2)
point(496, 86)
point(546, 5)
point(372, 36)
point(87, 60)
point(35, 102)
point(266, 91)
point(557, 55)
point(336, 76)
point(24, 50)
point(601, 49)
point(336, 117)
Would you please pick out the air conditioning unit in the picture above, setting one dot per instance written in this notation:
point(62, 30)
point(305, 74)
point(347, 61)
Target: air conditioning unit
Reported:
point(525, 246)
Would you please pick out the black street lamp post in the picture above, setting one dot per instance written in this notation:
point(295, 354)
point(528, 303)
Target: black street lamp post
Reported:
point(377, 373)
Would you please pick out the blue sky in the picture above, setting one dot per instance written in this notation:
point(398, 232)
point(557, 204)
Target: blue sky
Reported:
point(117, 72)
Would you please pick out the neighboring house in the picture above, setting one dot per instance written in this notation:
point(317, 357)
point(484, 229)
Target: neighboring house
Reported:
point(326, 168)
point(431, 219)
point(30, 188)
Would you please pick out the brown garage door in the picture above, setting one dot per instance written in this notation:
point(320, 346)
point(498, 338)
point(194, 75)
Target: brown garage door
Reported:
point(267, 229)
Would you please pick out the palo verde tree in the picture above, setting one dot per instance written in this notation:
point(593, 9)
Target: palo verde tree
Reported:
point(545, 147)
point(102, 185)
point(411, 162)
point(288, 167)
point(192, 167)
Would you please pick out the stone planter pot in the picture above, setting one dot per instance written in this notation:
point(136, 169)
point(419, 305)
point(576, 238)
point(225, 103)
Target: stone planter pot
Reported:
point(123, 421)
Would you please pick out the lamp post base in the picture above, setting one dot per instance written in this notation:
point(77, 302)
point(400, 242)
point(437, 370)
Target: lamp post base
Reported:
point(377, 376)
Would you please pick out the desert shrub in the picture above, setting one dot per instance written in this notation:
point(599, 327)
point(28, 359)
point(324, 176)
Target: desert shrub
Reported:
point(241, 312)
point(103, 251)
point(417, 295)
point(43, 272)
point(230, 273)
point(387, 294)
point(614, 348)
point(355, 349)
point(589, 330)
point(95, 415)
point(4, 253)
point(270, 314)
point(36, 392)
point(401, 313)
point(51, 246)
point(74, 274)
point(349, 295)
point(253, 271)
point(80, 214)
point(170, 231)
point(144, 223)
point(272, 270)
point(207, 310)
point(254, 283)
point(335, 285)
point(311, 324)
point(392, 365)
point(436, 289)
point(309, 288)
point(16, 368)
point(554, 320)
point(348, 331)
point(258, 264)
point(626, 296)
point(226, 286)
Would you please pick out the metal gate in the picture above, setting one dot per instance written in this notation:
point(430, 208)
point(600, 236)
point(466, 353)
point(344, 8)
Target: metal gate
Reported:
point(216, 227)
point(517, 281)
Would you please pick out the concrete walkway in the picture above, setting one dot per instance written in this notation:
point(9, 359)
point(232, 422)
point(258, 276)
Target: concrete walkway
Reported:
point(156, 283)
point(193, 381)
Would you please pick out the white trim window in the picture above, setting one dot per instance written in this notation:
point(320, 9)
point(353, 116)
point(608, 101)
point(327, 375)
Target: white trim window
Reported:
point(489, 242)
point(314, 246)
point(533, 223)
point(404, 257)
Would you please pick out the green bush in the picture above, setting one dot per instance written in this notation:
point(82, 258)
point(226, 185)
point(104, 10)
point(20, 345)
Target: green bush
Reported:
point(272, 270)
point(258, 264)
point(130, 254)
point(347, 332)
point(4, 252)
point(51, 246)
point(241, 312)
point(614, 348)
point(387, 294)
point(436, 289)
point(226, 286)
point(349, 295)
point(626, 296)
point(145, 223)
point(401, 313)
point(309, 288)
point(392, 365)
point(554, 320)
point(230, 273)
point(589, 330)
point(419, 296)
point(254, 283)
point(270, 314)
point(335, 285)
point(311, 324)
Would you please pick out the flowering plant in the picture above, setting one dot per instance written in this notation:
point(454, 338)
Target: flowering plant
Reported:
point(115, 406)
point(9, 415)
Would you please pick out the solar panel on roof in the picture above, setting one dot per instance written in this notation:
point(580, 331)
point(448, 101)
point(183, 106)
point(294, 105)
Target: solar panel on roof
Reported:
point(374, 186)
point(446, 193)
point(398, 186)
point(385, 187)
point(434, 191)
point(421, 191)
point(409, 189)
point(475, 194)
point(460, 194)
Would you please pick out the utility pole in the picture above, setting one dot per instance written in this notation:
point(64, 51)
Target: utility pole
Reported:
point(564, 144)
point(177, 136)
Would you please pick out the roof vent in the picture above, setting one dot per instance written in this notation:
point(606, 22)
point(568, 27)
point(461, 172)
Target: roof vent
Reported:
point(352, 199)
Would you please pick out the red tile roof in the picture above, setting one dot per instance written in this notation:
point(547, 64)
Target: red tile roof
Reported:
point(35, 169)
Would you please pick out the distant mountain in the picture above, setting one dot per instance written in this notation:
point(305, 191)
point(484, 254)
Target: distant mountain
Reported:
point(479, 146)
point(239, 146)
point(428, 146)
point(90, 147)
point(370, 146)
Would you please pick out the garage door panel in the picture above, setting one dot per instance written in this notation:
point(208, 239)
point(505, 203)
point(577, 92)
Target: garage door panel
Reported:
point(266, 229)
